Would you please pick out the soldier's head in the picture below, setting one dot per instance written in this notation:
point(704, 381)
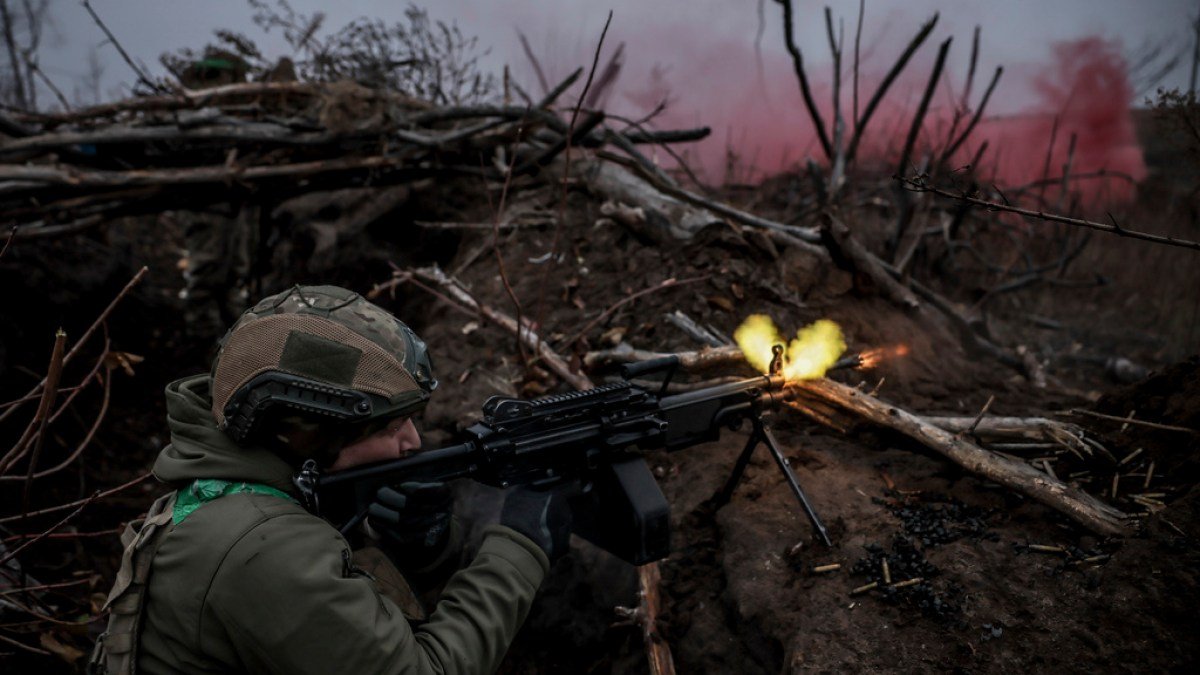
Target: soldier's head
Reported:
point(319, 372)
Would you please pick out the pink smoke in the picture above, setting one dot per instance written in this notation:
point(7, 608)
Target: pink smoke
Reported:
point(760, 126)
point(1087, 92)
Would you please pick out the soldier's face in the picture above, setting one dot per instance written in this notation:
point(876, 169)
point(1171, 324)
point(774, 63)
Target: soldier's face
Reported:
point(393, 442)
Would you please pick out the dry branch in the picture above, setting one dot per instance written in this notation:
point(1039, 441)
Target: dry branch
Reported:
point(42, 417)
point(649, 601)
point(789, 40)
point(705, 335)
point(459, 294)
point(917, 185)
point(198, 99)
point(82, 505)
point(112, 39)
point(63, 507)
point(914, 129)
point(137, 278)
point(17, 453)
point(218, 174)
point(897, 67)
point(866, 263)
point(1062, 434)
point(966, 133)
point(1135, 422)
point(83, 444)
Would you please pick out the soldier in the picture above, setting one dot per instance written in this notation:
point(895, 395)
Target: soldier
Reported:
point(230, 573)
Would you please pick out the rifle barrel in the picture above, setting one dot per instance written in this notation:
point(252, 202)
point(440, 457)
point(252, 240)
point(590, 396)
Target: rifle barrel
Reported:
point(687, 398)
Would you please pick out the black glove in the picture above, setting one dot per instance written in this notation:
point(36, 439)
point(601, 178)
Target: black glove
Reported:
point(541, 515)
point(413, 519)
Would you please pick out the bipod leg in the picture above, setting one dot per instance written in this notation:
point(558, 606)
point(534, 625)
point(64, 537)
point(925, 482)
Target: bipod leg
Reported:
point(739, 468)
point(768, 438)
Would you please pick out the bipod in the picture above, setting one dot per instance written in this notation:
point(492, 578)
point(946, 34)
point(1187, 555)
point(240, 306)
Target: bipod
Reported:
point(763, 434)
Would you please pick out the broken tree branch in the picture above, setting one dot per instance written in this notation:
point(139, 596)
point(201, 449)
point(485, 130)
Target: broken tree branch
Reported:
point(83, 444)
point(137, 278)
point(866, 263)
point(916, 185)
point(1135, 422)
point(460, 295)
point(658, 652)
point(82, 505)
point(914, 129)
point(908, 234)
point(789, 39)
point(17, 453)
point(702, 334)
point(63, 507)
point(49, 392)
point(966, 132)
point(897, 67)
point(112, 39)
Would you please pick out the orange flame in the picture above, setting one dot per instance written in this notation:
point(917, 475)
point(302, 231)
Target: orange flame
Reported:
point(873, 357)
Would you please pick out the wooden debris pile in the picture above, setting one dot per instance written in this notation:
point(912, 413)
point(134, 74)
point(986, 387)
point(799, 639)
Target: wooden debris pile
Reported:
point(265, 142)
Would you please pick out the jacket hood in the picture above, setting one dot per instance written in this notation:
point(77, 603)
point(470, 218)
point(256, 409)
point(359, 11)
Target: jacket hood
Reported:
point(198, 449)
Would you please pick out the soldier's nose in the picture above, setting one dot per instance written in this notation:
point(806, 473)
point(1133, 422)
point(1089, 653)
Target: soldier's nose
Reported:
point(407, 437)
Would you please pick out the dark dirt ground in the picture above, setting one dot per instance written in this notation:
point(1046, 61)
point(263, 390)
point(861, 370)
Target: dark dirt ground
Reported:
point(740, 594)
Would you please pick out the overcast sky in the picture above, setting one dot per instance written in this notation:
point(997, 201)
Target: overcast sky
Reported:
point(671, 33)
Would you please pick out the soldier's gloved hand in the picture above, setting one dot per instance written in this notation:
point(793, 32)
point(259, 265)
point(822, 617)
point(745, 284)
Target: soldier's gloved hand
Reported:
point(542, 515)
point(413, 519)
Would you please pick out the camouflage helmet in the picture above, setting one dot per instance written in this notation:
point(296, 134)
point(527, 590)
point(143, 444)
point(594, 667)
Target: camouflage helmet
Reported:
point(322, 357)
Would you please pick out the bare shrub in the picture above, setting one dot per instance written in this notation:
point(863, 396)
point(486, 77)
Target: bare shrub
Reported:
point(427, 59)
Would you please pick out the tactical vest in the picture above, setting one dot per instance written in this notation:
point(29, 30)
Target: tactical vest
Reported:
point(116, 648)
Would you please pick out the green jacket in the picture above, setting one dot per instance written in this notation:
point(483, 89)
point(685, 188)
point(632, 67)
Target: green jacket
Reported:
point(253, 583)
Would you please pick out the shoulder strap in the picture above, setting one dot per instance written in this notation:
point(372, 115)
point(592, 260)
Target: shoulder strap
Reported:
point(116, 649)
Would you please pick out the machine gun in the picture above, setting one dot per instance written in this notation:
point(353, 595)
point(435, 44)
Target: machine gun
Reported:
point(594, 437)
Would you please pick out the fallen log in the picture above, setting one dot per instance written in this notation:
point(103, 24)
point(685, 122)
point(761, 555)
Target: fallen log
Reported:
point(665, 218)
point(803, 238)
point(1075, 504)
